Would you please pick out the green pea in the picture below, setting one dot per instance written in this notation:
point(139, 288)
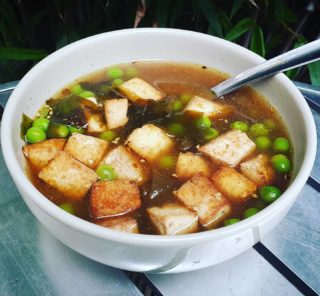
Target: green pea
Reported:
point(131, 72)
point(250, 212)
point(167, 162)
point(281, 163)
point(263, 142)
point(117, 81)
point(185, 98)
point(108, 136)
point(240, 125)
point(210, 133)
point(106, 172)
point(176, 129)
point(87, 94)
point(269, 193)
point(57, 130)
point(281, 144)
point(231, 221)
point(115, 73)
point(43, 123)
point(202, 122)
point(177, 106)
point(63, 131)
point(35, 134)
point(67, 207)
point(270, 124)
point(76, 89)
point(74, 129)
point(258, 129)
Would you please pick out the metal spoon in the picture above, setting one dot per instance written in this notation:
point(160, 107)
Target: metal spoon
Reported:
point(294, 58)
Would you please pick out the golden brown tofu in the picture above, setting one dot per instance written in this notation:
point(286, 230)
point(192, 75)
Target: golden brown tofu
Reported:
point(258, 169)
point(210, 108)
point(122, 223)
point(127, 165)
point(88, 150)
point(69, 176)
point(138, 89)
point(150, 142)
point(92, 100)
point(188, 164)
point(234, 185)
point(229, 148)
point(173, 219)
point(200, 195)
point(39, 154)
point(115, 112)
point(114, 198)
point(95, 122)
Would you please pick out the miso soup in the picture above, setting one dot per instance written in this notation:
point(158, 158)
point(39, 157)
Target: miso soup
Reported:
point(145, 147)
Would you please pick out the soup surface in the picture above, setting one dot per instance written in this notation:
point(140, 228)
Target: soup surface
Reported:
point(144, 147)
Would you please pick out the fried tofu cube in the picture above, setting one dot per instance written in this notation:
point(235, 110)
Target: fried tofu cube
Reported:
point(95, 122)
point(122, 223)
point(88, 150)
point(233, 185)
point(150, 142)
point(188, 164)
point(198, 105)
point(138, 89)
point(69, 176)
point(92, 100)
point(39, 154)
point(200, 195)
point(229, 148)
point(127, 165)
point(113, 198)
point(115, 112)
point(173, 219)
point(258, 169)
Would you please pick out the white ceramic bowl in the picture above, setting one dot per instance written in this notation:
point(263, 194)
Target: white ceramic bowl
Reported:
point(149, 253)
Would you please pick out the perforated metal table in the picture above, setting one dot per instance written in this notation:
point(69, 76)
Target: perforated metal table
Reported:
point(286, 262)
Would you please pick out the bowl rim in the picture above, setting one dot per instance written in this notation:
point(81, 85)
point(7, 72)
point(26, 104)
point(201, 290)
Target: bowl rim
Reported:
point(89, 228)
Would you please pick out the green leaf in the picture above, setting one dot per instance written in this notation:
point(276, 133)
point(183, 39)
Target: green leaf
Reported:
point(163, 12)
point(209, 10)
point(314, 73)
point(279, 9)
point(240, 28)
point(13, 30)
point(66, 36)
point(289, 15)
point(236, 5)
point(274, 40)
point(177, 10)
point(21, 54)
point(224, 21)
point(257, 42)
point(293, 73)
point(36, 19)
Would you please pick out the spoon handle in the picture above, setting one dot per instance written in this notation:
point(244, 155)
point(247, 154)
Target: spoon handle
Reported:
point(291, 59)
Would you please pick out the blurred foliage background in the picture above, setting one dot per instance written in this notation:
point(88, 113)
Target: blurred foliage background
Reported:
point(30, 30)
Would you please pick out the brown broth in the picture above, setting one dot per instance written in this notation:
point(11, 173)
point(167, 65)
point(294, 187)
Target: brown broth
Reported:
point(174, 79)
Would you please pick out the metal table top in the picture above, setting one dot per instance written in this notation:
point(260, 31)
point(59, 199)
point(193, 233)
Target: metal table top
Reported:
point(286, 262)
